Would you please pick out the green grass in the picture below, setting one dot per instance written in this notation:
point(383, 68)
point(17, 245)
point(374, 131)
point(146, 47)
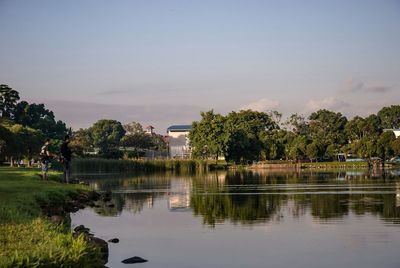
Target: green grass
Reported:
point(361, 164)
point(27, 238)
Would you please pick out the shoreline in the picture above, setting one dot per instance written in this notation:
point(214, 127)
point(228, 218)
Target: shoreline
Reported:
point(35, 226)
point(109, 166)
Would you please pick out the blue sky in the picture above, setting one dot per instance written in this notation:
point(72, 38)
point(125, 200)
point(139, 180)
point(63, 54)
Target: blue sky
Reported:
point(162, 62)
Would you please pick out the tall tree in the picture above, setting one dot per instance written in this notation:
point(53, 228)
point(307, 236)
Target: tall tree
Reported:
point(208, 136)
point(6, 142)
point(244, 134)
point(327, 128)
point(297, 124)
point(384, 144)
point(390, 117)
point(38, 117)
point(135, 137)
point(396, 146)
point(296, 148)
point(133, 128)
point(314, 150)
point(81, 142)
point(106, 135)
point(8, 101)
point(26, 142)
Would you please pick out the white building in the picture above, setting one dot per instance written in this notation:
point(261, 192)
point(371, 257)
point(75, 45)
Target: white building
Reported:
point(178, 141)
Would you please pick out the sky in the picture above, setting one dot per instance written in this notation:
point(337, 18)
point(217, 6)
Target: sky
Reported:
point(162, 62)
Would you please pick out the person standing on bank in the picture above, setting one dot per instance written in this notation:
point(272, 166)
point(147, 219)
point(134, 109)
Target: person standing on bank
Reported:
point(45, 156)
point(66, 158)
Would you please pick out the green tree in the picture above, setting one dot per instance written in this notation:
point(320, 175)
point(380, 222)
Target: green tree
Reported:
point(133, 128)
point(314, 150)
point(26, 142)
point(367, 147)
point(297, 124)
point(396, 146)
point(390, 117)
point(296, 148)
point(8, 101)
point(81, 142)
point(6, 142)
point(245, 130)
point(137, 139)
point(274, 144)
point(106, 135)
point(208, 137)
point(38, 117)
point(384, 144)
point(158, 142)
point(327, 128)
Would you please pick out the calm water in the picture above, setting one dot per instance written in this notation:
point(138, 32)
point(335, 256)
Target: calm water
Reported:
point(325, 219)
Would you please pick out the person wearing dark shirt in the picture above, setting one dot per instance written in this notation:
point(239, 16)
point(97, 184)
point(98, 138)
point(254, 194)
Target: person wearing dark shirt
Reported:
point(66, 158)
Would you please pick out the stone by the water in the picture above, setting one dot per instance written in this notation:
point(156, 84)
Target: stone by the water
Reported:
point(114, 240)
point(135, 259)
point(81, 229)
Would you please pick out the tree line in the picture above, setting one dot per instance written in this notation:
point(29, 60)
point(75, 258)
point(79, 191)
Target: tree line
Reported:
point(111, 139)
point(247, 135)
point(24, 126)
point(240, 137)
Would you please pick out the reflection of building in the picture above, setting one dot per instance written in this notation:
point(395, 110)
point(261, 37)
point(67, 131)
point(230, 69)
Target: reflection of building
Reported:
point(178, 141)
point(179, 197)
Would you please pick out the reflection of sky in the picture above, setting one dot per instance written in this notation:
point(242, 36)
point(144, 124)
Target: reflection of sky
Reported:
point(176, 240)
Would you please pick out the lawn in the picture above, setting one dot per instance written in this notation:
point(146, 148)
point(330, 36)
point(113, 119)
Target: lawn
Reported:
point(27, 238)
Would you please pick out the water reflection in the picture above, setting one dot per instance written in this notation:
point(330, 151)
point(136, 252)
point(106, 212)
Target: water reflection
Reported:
point(250, 198)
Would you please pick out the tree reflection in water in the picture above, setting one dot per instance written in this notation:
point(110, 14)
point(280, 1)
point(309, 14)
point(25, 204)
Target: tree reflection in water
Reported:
point(259, 197)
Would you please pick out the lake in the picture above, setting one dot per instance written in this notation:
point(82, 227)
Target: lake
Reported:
point(250, 219)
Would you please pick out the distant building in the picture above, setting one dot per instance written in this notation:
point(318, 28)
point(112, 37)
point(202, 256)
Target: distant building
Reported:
point(395, 131)
point(178, 141)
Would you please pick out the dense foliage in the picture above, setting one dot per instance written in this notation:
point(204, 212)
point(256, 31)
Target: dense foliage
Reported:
point(246, 136)
point(111, 139)
point(23, 126)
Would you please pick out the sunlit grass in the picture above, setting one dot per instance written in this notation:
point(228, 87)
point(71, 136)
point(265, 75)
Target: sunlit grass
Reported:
point(38, 243)
point(27, 239)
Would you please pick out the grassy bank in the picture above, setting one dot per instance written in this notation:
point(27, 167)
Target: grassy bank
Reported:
point(98, 165)
point(27, 238)
point(319, 165)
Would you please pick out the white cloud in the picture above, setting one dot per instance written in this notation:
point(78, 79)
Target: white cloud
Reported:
point(261, 105)
point(329, 103)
